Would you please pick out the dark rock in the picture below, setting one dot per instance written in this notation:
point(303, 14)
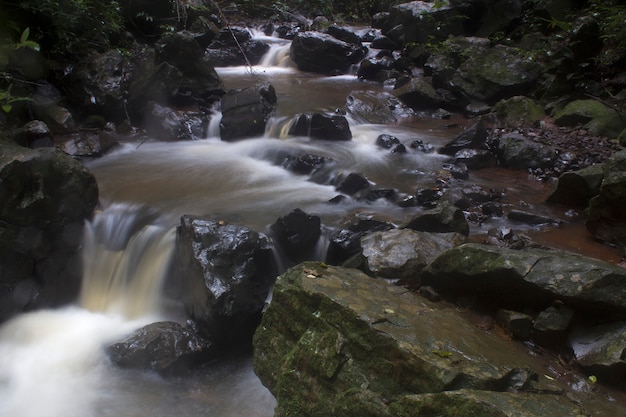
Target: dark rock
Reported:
point(578, 187)
point(474, 137)
point(245, 112)
point(605, 215)
point(45, 197)
point(383, 42)
point(403, 253)
point(492, 208)
point(305, 164)
point(329, 127)
point(441, 219)
point(519, 152)
point(85, 143)
point(100, 86)
point(476, 158)
point(476, 109)
point(376, 107)
point(551, 325)
point(419, 145)
point(532, 277)
point(518, 324)
point(343, 34)
point(297, 234)
point(226, 53)
point(34, 134)
point(58, 118)
point(353, 183)
point(372, 194)
point(458, 170)
point(372, 68)
point(386, 141)
point(323, 53)
point(531, 218)
point(346, 242)
point(165, 347)
point(168, 124)
point(419, 94)
point(428, 197)
point(224, 273)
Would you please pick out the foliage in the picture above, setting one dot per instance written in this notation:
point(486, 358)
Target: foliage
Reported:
point(69, 27)
point(6, 97)
point(611, 15)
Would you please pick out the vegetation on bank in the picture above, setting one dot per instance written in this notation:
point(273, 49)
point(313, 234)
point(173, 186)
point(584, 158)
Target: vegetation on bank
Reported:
point(65, 32)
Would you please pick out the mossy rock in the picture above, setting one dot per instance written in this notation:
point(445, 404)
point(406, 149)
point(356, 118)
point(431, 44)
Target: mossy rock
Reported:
point(599, 119)
point(519, 111)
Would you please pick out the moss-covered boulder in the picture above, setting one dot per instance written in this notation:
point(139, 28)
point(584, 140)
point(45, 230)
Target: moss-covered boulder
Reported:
point(576, 188)
point(335, 342)
point(516, 151)
point(531, 277)
point(519, 111)
point(598, 118)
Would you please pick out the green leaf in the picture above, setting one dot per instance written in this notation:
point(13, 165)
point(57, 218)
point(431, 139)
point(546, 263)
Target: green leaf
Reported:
point(7, 108)
point(25, 35)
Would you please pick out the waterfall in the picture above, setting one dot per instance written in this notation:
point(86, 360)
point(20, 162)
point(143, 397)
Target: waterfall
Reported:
point(124, 269)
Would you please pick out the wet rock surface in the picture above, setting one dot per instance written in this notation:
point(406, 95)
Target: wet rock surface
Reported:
point(358, 346)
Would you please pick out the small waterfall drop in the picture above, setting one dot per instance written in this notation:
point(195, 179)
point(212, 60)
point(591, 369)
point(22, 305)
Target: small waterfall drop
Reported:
point(125, 262)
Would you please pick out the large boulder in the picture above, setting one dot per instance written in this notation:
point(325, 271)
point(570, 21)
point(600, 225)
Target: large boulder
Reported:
point(166, 123)
point(491, 74)
point(45, 197)
point(599, 119)
point(323, 53)
point(335, 342)
point(223, 276)
point(531, 277)
point(519, 111)
point(165, 347)
point(245, 111)
point(234, 46)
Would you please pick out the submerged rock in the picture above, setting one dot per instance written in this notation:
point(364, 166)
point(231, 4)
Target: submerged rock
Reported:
point(334, 342)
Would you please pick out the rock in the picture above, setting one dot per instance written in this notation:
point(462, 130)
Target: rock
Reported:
point(576, 188)
point(498, 16)
point(245, 111)
point(597, 118)
point(443, 62)
point(474, 137)
point(34, 134)
point(386, 141)
point(45, 198)
point(296, 234)
point(234, 46)
point(424, 21)
point(165, 347)
point(605, 215)
point(180, 76)
point(346, 242)
point(58, 118)
point(168, 124)
point(495, 73)
point(323, 53)
point(519, 152)
point(306, 164)
point(551, 325)
point(376, 107)
point(471, 403)
point(329, 127)
point(531, 277)
point(518, 324)
point(600, 350)
point(86, 143)
point(476, 158)
point(419, 94)
point(334, 342)
point(403, 253)
point(100, 85)
point(223, 276)
point(441, 219)
point(353, 183)
point(519, 111)
point(375, 68)
point(531, 218)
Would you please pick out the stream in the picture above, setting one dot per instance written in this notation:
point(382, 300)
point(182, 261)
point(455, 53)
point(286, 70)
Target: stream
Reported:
point(52, 363)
